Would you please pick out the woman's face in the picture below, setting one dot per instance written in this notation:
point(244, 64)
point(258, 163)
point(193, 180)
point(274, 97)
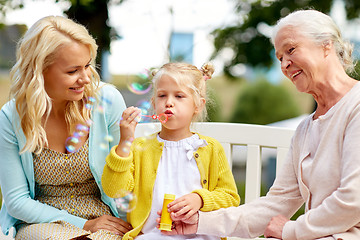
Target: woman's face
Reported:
point(70, 71)
point(302, 60)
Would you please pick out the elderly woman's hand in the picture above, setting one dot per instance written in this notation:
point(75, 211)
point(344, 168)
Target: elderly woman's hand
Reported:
point(275, 227)
point(181, 225)
point(109, 223)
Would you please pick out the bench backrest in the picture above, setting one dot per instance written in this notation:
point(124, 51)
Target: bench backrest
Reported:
point(253, 137)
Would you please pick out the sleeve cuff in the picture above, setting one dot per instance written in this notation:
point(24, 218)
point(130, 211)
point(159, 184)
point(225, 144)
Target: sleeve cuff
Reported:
point(206, 199)
point(202, 224)
point(289, 231)
point(117, 163)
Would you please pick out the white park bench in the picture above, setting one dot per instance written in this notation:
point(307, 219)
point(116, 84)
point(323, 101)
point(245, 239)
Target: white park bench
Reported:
point(253, 137)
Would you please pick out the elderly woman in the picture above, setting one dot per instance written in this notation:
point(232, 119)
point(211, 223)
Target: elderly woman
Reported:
point(322, 169)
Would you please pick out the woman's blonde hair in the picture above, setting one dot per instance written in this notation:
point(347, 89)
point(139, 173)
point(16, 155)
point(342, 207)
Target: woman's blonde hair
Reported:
point(321, 29)
point(189, 76)
point(35, 52)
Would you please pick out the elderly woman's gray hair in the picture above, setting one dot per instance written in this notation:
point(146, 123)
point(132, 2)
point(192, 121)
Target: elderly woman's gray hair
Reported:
point(321, 29)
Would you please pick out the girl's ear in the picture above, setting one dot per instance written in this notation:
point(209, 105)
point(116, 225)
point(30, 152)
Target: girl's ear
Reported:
point(152, 100)
point(201, 106)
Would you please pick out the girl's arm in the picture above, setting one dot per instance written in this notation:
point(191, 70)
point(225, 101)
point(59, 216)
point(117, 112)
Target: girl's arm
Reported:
point(118, 174)
point(119, 167)
point(220, 190)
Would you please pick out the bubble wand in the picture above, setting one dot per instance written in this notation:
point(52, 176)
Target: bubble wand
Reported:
point(162, 117)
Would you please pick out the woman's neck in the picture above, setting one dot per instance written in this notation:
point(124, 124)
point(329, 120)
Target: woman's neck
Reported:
point(331, 93)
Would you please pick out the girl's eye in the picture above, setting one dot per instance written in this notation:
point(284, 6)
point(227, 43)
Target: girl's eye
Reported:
point(72, 72)
point(291, 50)
point(87, 66)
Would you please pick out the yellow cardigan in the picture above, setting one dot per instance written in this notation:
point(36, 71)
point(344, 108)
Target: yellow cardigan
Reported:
point(137, 173)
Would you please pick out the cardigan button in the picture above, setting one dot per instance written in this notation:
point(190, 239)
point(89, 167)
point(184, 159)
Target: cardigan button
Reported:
point(205, 181)
point(196, 155)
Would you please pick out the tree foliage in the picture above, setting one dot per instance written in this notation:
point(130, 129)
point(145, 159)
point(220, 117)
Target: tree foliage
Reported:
point(262, 102)
point(91, 13)
point(95, 16)
point(248, 38)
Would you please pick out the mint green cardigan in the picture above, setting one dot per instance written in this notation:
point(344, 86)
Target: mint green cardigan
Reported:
point(17, 171)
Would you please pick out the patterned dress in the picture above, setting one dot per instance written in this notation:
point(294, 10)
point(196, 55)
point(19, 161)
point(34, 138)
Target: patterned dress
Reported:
point(65, 181)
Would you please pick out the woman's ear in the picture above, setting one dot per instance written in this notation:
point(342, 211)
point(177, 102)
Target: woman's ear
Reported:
point(327, 46)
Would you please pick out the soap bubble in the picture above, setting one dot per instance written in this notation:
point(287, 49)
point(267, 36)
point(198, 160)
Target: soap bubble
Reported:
point(141, 84)
point(90, 101)
point(72, 144)
point(125, 201)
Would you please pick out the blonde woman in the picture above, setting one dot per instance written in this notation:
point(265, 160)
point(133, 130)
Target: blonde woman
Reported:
point(50, 190)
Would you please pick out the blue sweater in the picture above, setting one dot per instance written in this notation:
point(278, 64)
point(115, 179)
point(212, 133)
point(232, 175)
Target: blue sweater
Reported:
point(17, 171)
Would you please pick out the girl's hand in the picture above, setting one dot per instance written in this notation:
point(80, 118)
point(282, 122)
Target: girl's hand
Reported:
point(109, 223)
point(186, 206)
point(127, 130)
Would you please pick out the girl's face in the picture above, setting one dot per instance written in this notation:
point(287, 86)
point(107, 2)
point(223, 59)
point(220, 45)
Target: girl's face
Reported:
point(302, 60)
point(66, 77)
point(176, 102)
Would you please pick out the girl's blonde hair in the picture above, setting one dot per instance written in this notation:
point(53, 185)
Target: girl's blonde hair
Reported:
point(189, 76)
point(35, 52)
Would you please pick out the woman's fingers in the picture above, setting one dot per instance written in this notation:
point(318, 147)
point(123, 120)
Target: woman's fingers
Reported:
point(111, 224)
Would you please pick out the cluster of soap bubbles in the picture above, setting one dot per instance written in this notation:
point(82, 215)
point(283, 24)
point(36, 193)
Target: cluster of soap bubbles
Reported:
point(72, 143)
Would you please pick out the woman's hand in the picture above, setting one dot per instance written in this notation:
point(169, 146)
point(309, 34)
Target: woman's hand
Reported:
point(275, 227)
point(181, 226)
point(127, 130)
point(186, 206)
point(109, 223)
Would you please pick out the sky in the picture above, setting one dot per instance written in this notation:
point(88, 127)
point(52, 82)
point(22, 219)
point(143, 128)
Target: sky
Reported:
point(145, 27)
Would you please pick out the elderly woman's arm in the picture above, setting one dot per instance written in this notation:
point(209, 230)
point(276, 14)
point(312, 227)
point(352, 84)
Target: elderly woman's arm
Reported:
point(340, 211)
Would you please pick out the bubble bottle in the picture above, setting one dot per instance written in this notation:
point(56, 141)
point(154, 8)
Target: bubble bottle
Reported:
point(165, 221)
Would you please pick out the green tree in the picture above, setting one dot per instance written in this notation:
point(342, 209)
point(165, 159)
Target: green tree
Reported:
point(248, 40)
point(91, 13)
point(262, 102)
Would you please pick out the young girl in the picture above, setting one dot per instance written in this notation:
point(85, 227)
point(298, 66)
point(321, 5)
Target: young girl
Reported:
point(175, 160)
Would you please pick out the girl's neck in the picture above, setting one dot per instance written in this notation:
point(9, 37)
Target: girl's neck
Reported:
point(174, 135)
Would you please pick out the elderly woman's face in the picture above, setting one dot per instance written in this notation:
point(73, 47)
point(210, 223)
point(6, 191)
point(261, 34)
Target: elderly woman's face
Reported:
point(302, 60)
